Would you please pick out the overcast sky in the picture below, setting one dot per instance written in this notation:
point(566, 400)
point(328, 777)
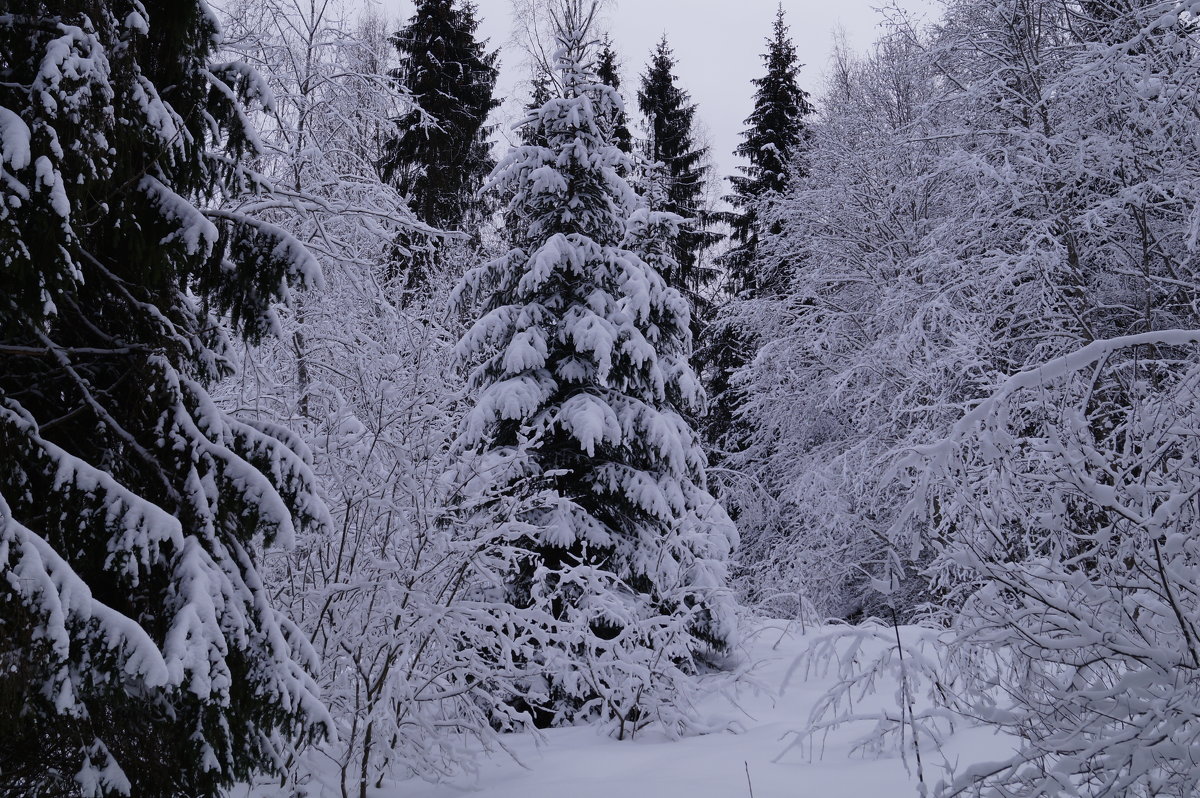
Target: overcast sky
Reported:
point(717, 43)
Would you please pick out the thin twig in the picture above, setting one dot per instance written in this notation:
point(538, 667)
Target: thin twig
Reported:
point(906, 696)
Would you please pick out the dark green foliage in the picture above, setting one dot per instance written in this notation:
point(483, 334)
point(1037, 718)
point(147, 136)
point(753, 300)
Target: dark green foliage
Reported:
point(138, 652)
point(669, 115)
point(441, 155)
point(771, 147)
point(615, 121)
point(540, 89)
point(773, 138)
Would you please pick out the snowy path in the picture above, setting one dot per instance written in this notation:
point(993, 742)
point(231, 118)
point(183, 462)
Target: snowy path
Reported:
point(582, 763)
point(585, 763)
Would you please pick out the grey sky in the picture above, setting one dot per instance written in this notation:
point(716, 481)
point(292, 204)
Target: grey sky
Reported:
point(717, 43)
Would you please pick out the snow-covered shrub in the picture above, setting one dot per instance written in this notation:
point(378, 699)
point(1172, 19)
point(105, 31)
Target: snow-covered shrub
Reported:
point(981, 198)
point(1067, 517)
point(915, 720)
point(1053, 527)
point(363, 375)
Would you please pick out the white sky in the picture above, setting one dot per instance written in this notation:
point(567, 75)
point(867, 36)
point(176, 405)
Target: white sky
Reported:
point(717, 43)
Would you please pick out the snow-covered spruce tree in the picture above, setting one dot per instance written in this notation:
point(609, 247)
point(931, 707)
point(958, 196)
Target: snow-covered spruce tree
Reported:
point(771, 145)
point(440, 156)
point(139, 653)
point(616, 550)
point(669, 114)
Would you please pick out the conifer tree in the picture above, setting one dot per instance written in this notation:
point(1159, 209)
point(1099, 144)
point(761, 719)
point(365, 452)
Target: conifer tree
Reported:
point(774, 136)
point(669, 115)
point(581, 379)
point(616, 121)
point(539, 95)
point(442, 156)
point(134, 628)
point(773, 139)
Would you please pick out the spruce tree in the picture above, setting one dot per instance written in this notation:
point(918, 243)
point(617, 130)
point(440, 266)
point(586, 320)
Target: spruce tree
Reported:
point(774, 137)
point(669, 115)
point(441, 157)
point(540, 91)
point(139, 653)
point(615, 551)
point(615, 122)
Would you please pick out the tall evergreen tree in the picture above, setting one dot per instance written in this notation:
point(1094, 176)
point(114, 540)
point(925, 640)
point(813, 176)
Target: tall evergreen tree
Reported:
point(540, 92)
point(616, 121)
point(774, 136)
point(616, 550)
point(773, 139)
point(669, 115)
point(442, 155)
point(134, 628)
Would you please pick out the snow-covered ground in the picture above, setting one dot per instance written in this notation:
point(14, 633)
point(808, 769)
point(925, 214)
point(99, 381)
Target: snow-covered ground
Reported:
point(584, 762)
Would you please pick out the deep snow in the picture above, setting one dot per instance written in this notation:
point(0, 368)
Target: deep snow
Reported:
point(584, 762)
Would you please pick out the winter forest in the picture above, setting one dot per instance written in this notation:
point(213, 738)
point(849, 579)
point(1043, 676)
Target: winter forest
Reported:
point(361, 440)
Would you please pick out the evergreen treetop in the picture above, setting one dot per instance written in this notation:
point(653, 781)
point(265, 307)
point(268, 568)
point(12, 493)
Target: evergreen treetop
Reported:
point(773, 137)
point(441, 155)
point(771, 144)
point(608, 73)
point(669, 117)
point(539, 94)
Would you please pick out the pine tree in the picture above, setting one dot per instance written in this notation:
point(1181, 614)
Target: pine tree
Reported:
point(134, 628)
point(669, 115)
point(442, 156)
point(581, 379)
point(771, 144)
